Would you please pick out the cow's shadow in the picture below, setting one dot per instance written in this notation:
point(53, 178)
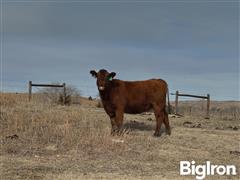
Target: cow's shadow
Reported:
point(135, 125)
point(141, 126)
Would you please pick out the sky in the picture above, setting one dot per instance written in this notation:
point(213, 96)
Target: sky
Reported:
point(193, 45)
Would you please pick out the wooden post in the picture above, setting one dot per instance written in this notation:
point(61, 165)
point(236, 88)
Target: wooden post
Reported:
point(29, 90)
point(208, 106)
point(176, 103)
point(64, 93)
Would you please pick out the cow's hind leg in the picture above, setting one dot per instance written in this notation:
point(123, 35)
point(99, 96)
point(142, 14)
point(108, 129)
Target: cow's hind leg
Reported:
point(159, 114)
point(166, 123)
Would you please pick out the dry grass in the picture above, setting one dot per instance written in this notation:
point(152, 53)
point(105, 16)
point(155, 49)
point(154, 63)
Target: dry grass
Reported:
point(225, 110)
point(40, 140)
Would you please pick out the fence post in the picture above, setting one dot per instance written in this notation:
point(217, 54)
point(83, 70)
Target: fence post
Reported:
point(64, 93)
point(29, 90)
point(208, 106)
point(176, 103)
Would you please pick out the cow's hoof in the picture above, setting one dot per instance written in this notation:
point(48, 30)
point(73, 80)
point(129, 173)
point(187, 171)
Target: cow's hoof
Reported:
point(157, 134)
point(168, 132)
point(116, 132)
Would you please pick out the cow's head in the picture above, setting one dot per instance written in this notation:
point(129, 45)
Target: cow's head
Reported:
point(104, 78)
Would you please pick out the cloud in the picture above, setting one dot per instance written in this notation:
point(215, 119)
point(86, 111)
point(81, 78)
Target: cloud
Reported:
point(184, 24)
point(189, 44)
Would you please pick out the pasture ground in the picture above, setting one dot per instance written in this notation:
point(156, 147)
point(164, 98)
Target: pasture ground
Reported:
point(40, 140)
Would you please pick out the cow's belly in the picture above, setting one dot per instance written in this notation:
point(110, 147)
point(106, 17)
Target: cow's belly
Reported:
point(136, 109)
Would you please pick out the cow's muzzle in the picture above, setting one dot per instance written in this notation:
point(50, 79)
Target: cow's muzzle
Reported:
point(101, 88)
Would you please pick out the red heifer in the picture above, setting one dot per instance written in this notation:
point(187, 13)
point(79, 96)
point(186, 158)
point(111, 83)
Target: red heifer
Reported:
point(119, 97)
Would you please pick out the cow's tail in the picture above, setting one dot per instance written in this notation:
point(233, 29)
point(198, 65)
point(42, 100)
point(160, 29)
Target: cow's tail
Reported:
point(169, 105)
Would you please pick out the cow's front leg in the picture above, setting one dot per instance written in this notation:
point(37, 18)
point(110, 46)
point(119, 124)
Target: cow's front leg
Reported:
point(117, 121)
point(114, 125)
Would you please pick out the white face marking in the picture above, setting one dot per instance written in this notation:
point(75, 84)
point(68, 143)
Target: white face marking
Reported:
point(101, 88)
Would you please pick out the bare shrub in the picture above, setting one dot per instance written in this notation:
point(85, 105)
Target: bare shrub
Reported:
point(99, 104)
point(55, 95)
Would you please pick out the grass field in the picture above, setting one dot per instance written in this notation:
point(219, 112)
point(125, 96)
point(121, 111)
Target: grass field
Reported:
point(40, 140)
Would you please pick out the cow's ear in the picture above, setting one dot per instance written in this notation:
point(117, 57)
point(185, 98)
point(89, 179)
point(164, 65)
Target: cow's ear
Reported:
point(93, 73)
point(111, 75)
